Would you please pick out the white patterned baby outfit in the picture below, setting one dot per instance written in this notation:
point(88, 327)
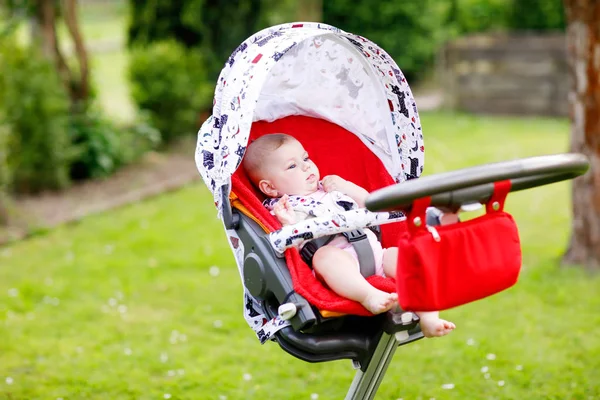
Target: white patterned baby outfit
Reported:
point(320, 204)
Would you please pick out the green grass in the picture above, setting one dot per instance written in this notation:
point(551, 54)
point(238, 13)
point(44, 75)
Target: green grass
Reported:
point(123, 305)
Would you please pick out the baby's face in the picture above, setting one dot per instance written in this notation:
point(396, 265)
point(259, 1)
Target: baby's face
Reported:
point(290, 171)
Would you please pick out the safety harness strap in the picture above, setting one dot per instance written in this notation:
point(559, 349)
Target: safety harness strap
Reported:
point(366, 259)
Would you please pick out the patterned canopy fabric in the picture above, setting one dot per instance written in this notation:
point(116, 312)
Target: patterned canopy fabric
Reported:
point(315, 70)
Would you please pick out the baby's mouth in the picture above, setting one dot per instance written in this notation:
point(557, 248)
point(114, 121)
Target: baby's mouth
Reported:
point(311, 177)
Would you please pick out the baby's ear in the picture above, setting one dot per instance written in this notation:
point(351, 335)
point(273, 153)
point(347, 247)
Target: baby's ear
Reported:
point(267, 188)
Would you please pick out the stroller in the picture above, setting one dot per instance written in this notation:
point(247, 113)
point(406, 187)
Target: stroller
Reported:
point(348, 103)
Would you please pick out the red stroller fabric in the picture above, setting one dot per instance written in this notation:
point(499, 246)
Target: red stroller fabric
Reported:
point(459, 263)
point(335, 151)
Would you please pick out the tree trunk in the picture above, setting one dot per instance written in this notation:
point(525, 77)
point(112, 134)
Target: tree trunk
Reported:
point(80, 87)
point(46, 16)
point(309, 11)
point(583, 40)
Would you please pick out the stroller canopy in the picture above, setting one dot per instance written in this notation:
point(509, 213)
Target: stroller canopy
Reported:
point(315, 70)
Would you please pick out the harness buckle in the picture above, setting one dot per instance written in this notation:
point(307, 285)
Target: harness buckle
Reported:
point(355, 235)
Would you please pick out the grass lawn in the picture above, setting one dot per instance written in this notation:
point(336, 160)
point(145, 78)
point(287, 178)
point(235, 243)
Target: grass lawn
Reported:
point(144, 302)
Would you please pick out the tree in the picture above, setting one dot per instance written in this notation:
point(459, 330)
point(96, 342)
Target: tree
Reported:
point(583, 47)
point(46, 16)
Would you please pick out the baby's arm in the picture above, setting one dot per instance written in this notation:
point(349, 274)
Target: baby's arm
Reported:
point(334, 182)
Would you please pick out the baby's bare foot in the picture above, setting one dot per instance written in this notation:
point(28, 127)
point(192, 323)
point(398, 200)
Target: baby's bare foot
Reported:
point(378, 302)
point(434, 327)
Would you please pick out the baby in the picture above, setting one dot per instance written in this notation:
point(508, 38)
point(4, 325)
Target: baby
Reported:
point(280, 167)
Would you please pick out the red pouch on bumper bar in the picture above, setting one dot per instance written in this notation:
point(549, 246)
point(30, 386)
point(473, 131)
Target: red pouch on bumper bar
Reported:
point(446, 266)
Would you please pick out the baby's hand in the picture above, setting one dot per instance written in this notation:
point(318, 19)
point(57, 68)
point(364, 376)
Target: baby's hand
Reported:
point(449, 218)
point(333, 182)
point(284, 212)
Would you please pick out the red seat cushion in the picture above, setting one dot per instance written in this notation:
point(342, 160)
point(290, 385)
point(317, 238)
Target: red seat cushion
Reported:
point(335, 151)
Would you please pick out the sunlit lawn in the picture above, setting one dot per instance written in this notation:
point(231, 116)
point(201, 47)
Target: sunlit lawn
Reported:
point(145, 302)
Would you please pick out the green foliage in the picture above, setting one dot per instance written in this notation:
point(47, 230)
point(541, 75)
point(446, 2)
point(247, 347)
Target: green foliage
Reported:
point(103, 147)
point(409, 31)
point(216, 27)
point(169, 82)
point(34, 109)
point(470, 16)
point(538, 15)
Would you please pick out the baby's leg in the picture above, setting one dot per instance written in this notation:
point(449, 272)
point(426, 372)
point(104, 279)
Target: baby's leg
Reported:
point(431, 323)
point(340, 272)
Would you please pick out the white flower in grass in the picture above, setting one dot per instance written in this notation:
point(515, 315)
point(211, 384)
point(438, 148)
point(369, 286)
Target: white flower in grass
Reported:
point(491, 356)
point(448, 386)
point(122, 309)
point(164, 357)
point(112, 302)
point(170, 373)
point(484, 369)
point(214, 271)
point(69, 256)
point(218, 324)
point(314, 396)
point(221, 397)
point(247, 377)
point(127, 351)
point(109, 248)
point(519, 367)
point(167, 395)
point(470, 342)
point(9, 380)
point(180, 372)
point(13, 292)
point(500, 383)
point(486, 376)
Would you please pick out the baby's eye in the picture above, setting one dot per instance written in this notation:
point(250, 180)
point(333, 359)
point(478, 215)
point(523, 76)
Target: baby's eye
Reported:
point(292, 166)
point(306, 158)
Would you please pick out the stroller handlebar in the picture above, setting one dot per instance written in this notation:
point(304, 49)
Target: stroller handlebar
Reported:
point(476, 184)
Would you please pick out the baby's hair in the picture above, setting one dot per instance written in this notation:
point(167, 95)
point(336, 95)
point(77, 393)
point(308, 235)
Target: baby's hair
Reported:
point(258, 151)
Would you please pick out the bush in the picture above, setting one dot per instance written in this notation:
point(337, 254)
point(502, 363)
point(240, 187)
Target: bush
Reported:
point(410, 31)
point(537, 15)
point(215, 27)
point(169, 83)
point(102, 146)
point(470, 16)
point(34, 109)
